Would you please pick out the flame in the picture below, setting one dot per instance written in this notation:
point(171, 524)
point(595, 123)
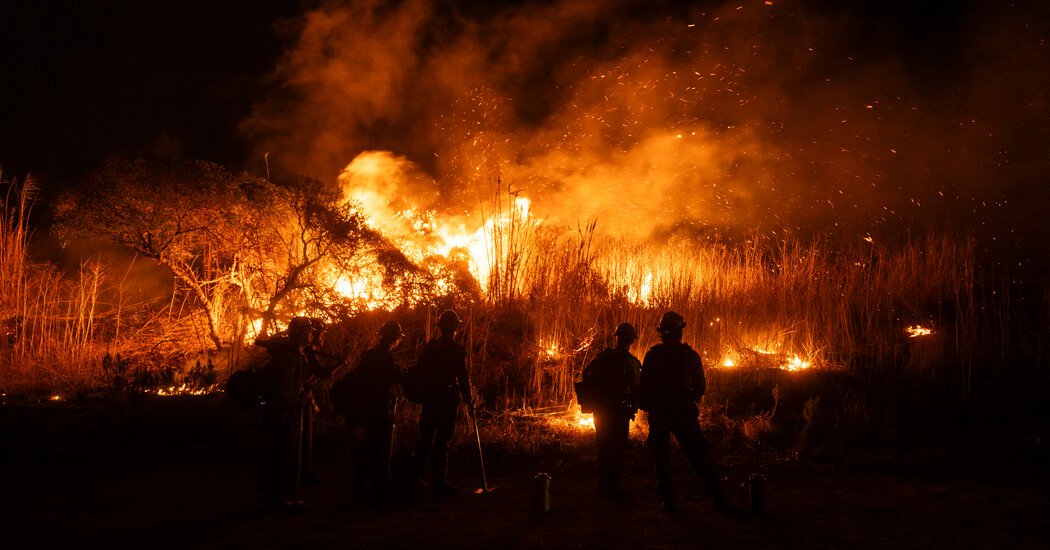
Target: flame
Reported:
point(585, 421)
point(387, 189)
point(917, 331)
point(185, 389)
point(728, 362)
point(641, 295)
point(796, 364)
point(550, 348)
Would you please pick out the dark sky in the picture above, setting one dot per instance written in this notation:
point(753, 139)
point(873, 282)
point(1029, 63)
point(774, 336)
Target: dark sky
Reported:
point(85, 80)
point(88, 79)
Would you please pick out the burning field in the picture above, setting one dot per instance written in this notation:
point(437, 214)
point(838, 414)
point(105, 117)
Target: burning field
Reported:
point(841, 213)
point(549, 170)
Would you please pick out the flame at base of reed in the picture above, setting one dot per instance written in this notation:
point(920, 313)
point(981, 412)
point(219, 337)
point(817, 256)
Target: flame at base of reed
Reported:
point(185, 389)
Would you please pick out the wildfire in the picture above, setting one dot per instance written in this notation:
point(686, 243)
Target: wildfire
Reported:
point(390, 192)
point(916, 331)
point(642, 293)
point(550, 348)
point(764, 357)
point(796, 364)
point(185, 389)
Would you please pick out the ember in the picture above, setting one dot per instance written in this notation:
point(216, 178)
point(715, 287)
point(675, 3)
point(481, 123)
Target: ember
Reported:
point(917, 331)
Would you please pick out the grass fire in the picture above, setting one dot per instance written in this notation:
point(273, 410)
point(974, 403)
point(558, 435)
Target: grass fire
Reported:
point(468, 267)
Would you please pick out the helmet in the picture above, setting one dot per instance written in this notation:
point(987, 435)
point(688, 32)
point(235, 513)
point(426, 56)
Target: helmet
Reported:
point(390, 329)
point(318, 325)
point(449, 318)
point(299, 325)
point(670, 321)
point(625, 329)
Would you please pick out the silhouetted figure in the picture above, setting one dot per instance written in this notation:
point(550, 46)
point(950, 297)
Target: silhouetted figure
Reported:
point(320, 367)
point(376, 375)
point(613, 379)
point(284, 381)
point(672, 383)
point(442, 371)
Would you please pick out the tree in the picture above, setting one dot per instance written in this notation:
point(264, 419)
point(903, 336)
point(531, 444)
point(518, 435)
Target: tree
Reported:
point(218, 234)
point(302, 235)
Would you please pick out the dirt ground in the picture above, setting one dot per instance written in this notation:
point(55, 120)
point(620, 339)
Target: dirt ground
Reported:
point(189, 475)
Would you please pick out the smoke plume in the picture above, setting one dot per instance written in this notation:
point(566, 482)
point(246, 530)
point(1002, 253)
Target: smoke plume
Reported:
point(651, 117)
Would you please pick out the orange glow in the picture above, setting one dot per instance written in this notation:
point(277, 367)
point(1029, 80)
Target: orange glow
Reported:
point(917, 331)
point(796, 364)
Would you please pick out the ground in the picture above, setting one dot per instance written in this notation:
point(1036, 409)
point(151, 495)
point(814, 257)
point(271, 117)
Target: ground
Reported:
point(186, 473)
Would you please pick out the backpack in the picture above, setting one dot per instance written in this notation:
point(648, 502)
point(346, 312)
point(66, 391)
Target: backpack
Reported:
point(588, 391)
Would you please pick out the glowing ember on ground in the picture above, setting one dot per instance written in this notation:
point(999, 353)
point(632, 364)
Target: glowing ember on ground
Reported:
point(55, 397)
point(917, 331)
point(185, 389)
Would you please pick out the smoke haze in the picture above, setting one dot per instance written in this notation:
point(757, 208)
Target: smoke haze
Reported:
point(651, 117)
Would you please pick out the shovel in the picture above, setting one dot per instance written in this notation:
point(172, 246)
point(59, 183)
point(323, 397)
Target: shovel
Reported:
point(481, 458)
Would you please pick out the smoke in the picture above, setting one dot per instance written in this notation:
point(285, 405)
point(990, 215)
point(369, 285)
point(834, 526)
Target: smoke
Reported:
point(651, 118)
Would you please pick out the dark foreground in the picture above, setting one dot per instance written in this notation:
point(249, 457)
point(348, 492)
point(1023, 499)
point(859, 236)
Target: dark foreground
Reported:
point(185, 473)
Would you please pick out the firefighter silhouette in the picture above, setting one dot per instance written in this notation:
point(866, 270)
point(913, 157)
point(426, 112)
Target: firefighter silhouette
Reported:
point(284, 383)
point(672, 382)
point(375, 377)
point(442, 381)
point(612, 379)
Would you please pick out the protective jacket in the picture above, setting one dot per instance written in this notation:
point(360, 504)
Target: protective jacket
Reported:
point(285, 376)
point(442, 371)
point(375, 376)
point(672, 380)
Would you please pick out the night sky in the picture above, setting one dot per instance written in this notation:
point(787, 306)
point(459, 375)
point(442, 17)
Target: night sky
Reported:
point(86, 80)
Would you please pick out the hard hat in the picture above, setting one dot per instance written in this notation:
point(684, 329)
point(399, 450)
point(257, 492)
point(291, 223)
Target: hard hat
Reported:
point(449, 318)
point(670, 321)
point(390, 329)
point(318, 325)
point(299, 325)
point(625, 329)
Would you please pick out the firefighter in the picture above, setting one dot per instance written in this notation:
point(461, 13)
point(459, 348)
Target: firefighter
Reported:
point(286, 409)
point(442, 368)
point(613, 377)
point(375, 377)
point(672, 382)
point(320, 367)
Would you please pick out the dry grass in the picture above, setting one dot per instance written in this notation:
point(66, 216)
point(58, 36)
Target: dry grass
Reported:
point(554, 296)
